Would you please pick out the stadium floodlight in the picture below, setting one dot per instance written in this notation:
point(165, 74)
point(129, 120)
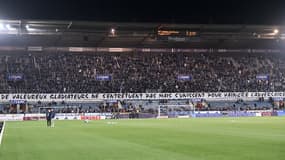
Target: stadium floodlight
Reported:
point(113, 31)
point(28, 28)
point(8, 26)
point(2, 27)
point(276, 31)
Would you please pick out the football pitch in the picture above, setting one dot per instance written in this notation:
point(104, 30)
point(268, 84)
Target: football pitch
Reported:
point(259, 138)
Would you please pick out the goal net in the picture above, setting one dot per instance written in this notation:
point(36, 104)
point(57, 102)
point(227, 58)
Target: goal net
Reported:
point(175, 111)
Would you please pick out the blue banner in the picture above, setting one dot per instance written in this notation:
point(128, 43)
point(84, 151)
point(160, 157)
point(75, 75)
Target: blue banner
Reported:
point(281, 113)
point(184, 77)
point(15, 77)
point(262, 77)
point(17, 101)
point(103, 78)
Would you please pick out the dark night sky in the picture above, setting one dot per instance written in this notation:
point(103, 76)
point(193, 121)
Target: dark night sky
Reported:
point(176, 11)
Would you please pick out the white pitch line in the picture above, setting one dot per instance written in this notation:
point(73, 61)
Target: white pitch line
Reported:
point(2, 132)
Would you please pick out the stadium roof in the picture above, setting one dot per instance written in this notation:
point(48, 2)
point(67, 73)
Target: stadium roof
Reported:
point(26, 33)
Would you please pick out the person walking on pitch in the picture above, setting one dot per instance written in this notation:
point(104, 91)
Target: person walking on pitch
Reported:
point(48, 117)
point(52, 117)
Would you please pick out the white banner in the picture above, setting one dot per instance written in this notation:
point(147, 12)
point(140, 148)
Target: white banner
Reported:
point(183, 116)
point(11, 117)
point(67, 117)
point(93, 97)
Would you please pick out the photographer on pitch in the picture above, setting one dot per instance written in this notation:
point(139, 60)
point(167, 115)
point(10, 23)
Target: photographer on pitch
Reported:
point(52, 117)
point(49, 117)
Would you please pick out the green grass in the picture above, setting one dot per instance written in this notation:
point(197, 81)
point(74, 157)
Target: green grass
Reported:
point(156, 139)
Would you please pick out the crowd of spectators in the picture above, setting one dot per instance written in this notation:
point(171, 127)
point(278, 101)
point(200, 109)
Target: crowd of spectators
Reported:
point(140, 72)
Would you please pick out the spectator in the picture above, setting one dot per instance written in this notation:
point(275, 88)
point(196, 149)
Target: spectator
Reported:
point(76, 73)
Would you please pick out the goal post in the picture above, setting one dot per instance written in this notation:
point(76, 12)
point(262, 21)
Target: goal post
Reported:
point(175, 111)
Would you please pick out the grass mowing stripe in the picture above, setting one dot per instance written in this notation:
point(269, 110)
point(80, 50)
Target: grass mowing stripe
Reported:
point(181, 139)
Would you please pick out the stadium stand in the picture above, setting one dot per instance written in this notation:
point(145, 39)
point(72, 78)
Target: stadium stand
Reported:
point(60, 57)
point(135, 72)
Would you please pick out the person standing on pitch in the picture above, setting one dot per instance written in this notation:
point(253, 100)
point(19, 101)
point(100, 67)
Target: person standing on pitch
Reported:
point(52, 117)
point(48, 117)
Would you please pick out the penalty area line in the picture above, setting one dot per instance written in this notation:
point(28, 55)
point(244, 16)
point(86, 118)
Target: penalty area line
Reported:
point(2, 133)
